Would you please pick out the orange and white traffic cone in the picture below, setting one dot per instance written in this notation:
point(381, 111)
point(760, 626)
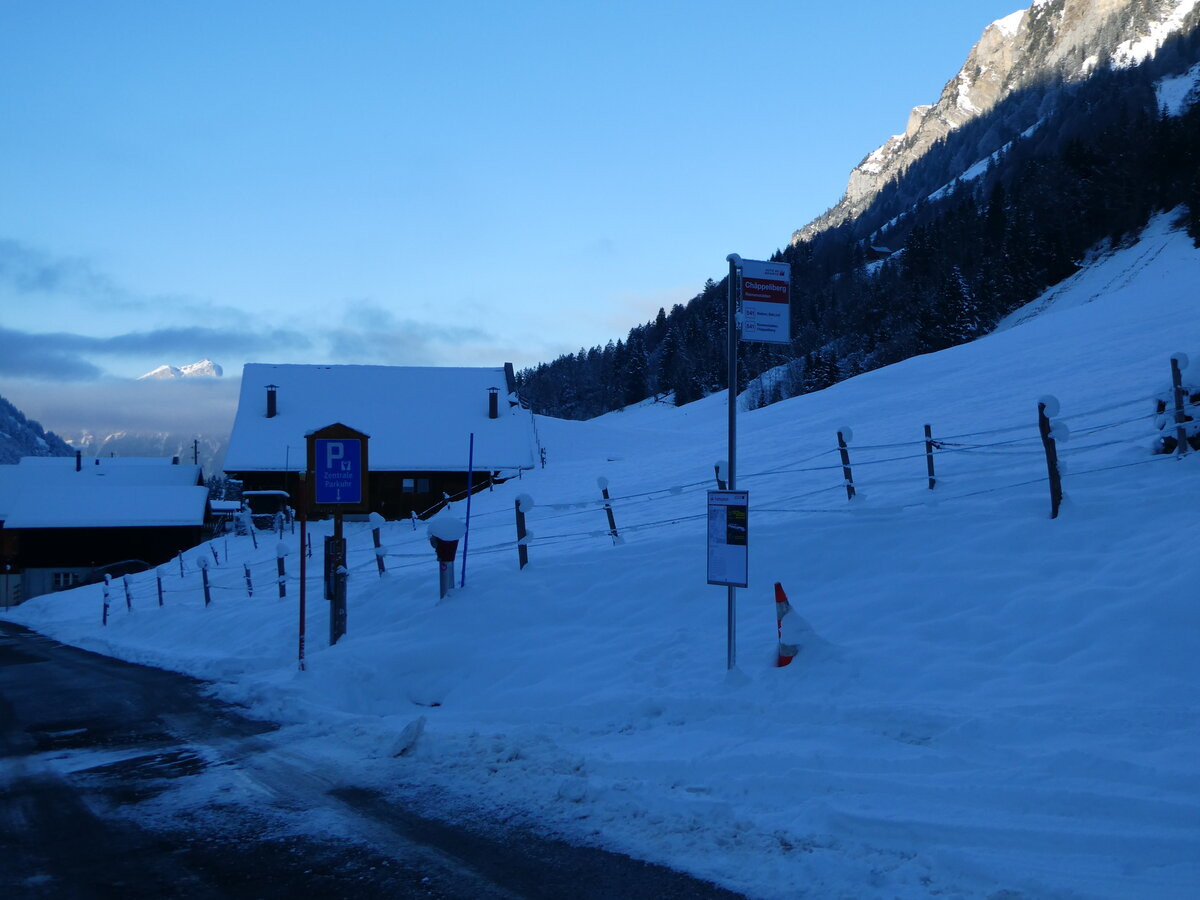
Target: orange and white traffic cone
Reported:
point(787, 652)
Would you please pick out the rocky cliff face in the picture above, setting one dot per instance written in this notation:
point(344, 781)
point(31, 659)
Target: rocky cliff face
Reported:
point(1064, 39)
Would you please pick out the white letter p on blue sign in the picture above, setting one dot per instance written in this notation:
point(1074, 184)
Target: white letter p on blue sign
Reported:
point(334, 451)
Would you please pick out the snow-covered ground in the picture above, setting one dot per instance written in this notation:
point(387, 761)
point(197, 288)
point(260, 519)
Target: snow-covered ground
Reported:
point(986, 703)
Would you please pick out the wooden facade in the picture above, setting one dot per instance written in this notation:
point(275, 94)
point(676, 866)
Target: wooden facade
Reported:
point(394, 495)
point(62, 524)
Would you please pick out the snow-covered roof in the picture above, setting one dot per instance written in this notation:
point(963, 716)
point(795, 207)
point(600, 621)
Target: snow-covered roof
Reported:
point(132, 470)
point(108, 506)
point(417, 418)
point(48, 492)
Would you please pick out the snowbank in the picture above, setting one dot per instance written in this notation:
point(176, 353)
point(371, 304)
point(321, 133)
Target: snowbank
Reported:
point(986, 702)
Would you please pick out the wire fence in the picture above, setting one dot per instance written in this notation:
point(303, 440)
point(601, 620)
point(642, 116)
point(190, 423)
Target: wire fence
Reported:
point(950, 468)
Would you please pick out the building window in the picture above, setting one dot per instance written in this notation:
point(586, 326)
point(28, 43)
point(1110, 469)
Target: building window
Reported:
point(414, 485)
point(64, 580)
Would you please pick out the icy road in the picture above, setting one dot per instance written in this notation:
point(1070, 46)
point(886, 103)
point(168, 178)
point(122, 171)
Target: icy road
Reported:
point(123, 780)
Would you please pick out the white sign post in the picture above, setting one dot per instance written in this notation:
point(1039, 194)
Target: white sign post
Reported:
point(765, 292)
point(766, 306)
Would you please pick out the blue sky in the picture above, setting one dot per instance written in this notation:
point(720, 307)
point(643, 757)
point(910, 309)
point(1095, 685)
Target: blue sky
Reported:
point(417, 184)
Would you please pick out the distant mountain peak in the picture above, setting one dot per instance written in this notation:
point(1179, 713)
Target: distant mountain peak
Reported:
point(162, 372)
point(205, 368)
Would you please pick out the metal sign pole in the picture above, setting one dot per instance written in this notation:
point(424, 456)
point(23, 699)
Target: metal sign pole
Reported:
point(470, 489)
point(732, 339)
point(304, 483)
point(337, 570)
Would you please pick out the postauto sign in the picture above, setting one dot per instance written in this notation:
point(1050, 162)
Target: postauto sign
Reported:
point(766, 306)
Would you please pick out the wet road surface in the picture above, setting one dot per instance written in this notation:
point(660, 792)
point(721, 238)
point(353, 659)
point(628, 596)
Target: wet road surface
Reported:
point(88, 745)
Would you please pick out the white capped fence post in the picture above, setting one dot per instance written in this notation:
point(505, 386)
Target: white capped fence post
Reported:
point(203, 563)
point(1179, 362)
point(376, 525)
point(281, 550)
point(929, 455)
point(612, 522)
point(1047, 407)
point(845, 435)
point(523, 504)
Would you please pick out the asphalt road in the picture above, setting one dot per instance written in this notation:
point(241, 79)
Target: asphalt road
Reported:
point(88, 745)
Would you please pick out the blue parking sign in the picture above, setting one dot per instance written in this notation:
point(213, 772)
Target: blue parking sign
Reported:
point(337, 472)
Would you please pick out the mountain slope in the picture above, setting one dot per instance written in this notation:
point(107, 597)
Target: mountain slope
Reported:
point(988, 217)
point(20, 436)
point(1053, 40)
point(985, 703)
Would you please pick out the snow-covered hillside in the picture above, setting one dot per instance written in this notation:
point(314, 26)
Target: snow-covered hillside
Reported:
point(986, 703)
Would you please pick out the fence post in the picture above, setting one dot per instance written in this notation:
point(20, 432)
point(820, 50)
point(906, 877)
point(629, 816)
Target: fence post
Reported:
point(523, 503)
point(216, 559)
point(844, 434)
point(612, 522)
point(107, 598)
point(158, 578)
point(1179, 362)
point(1048, 406)
point(204, 577)
point(180, 565)
point(336, 573)
point(251, 528)
point(280, 552)
point(717, 471)
point(376, 525)
point(929, 455)
point(128, 598)
point(249, 583)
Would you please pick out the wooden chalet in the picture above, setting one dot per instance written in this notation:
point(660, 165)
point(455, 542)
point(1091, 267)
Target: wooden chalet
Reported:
point(65, 521)
point(418, 421)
